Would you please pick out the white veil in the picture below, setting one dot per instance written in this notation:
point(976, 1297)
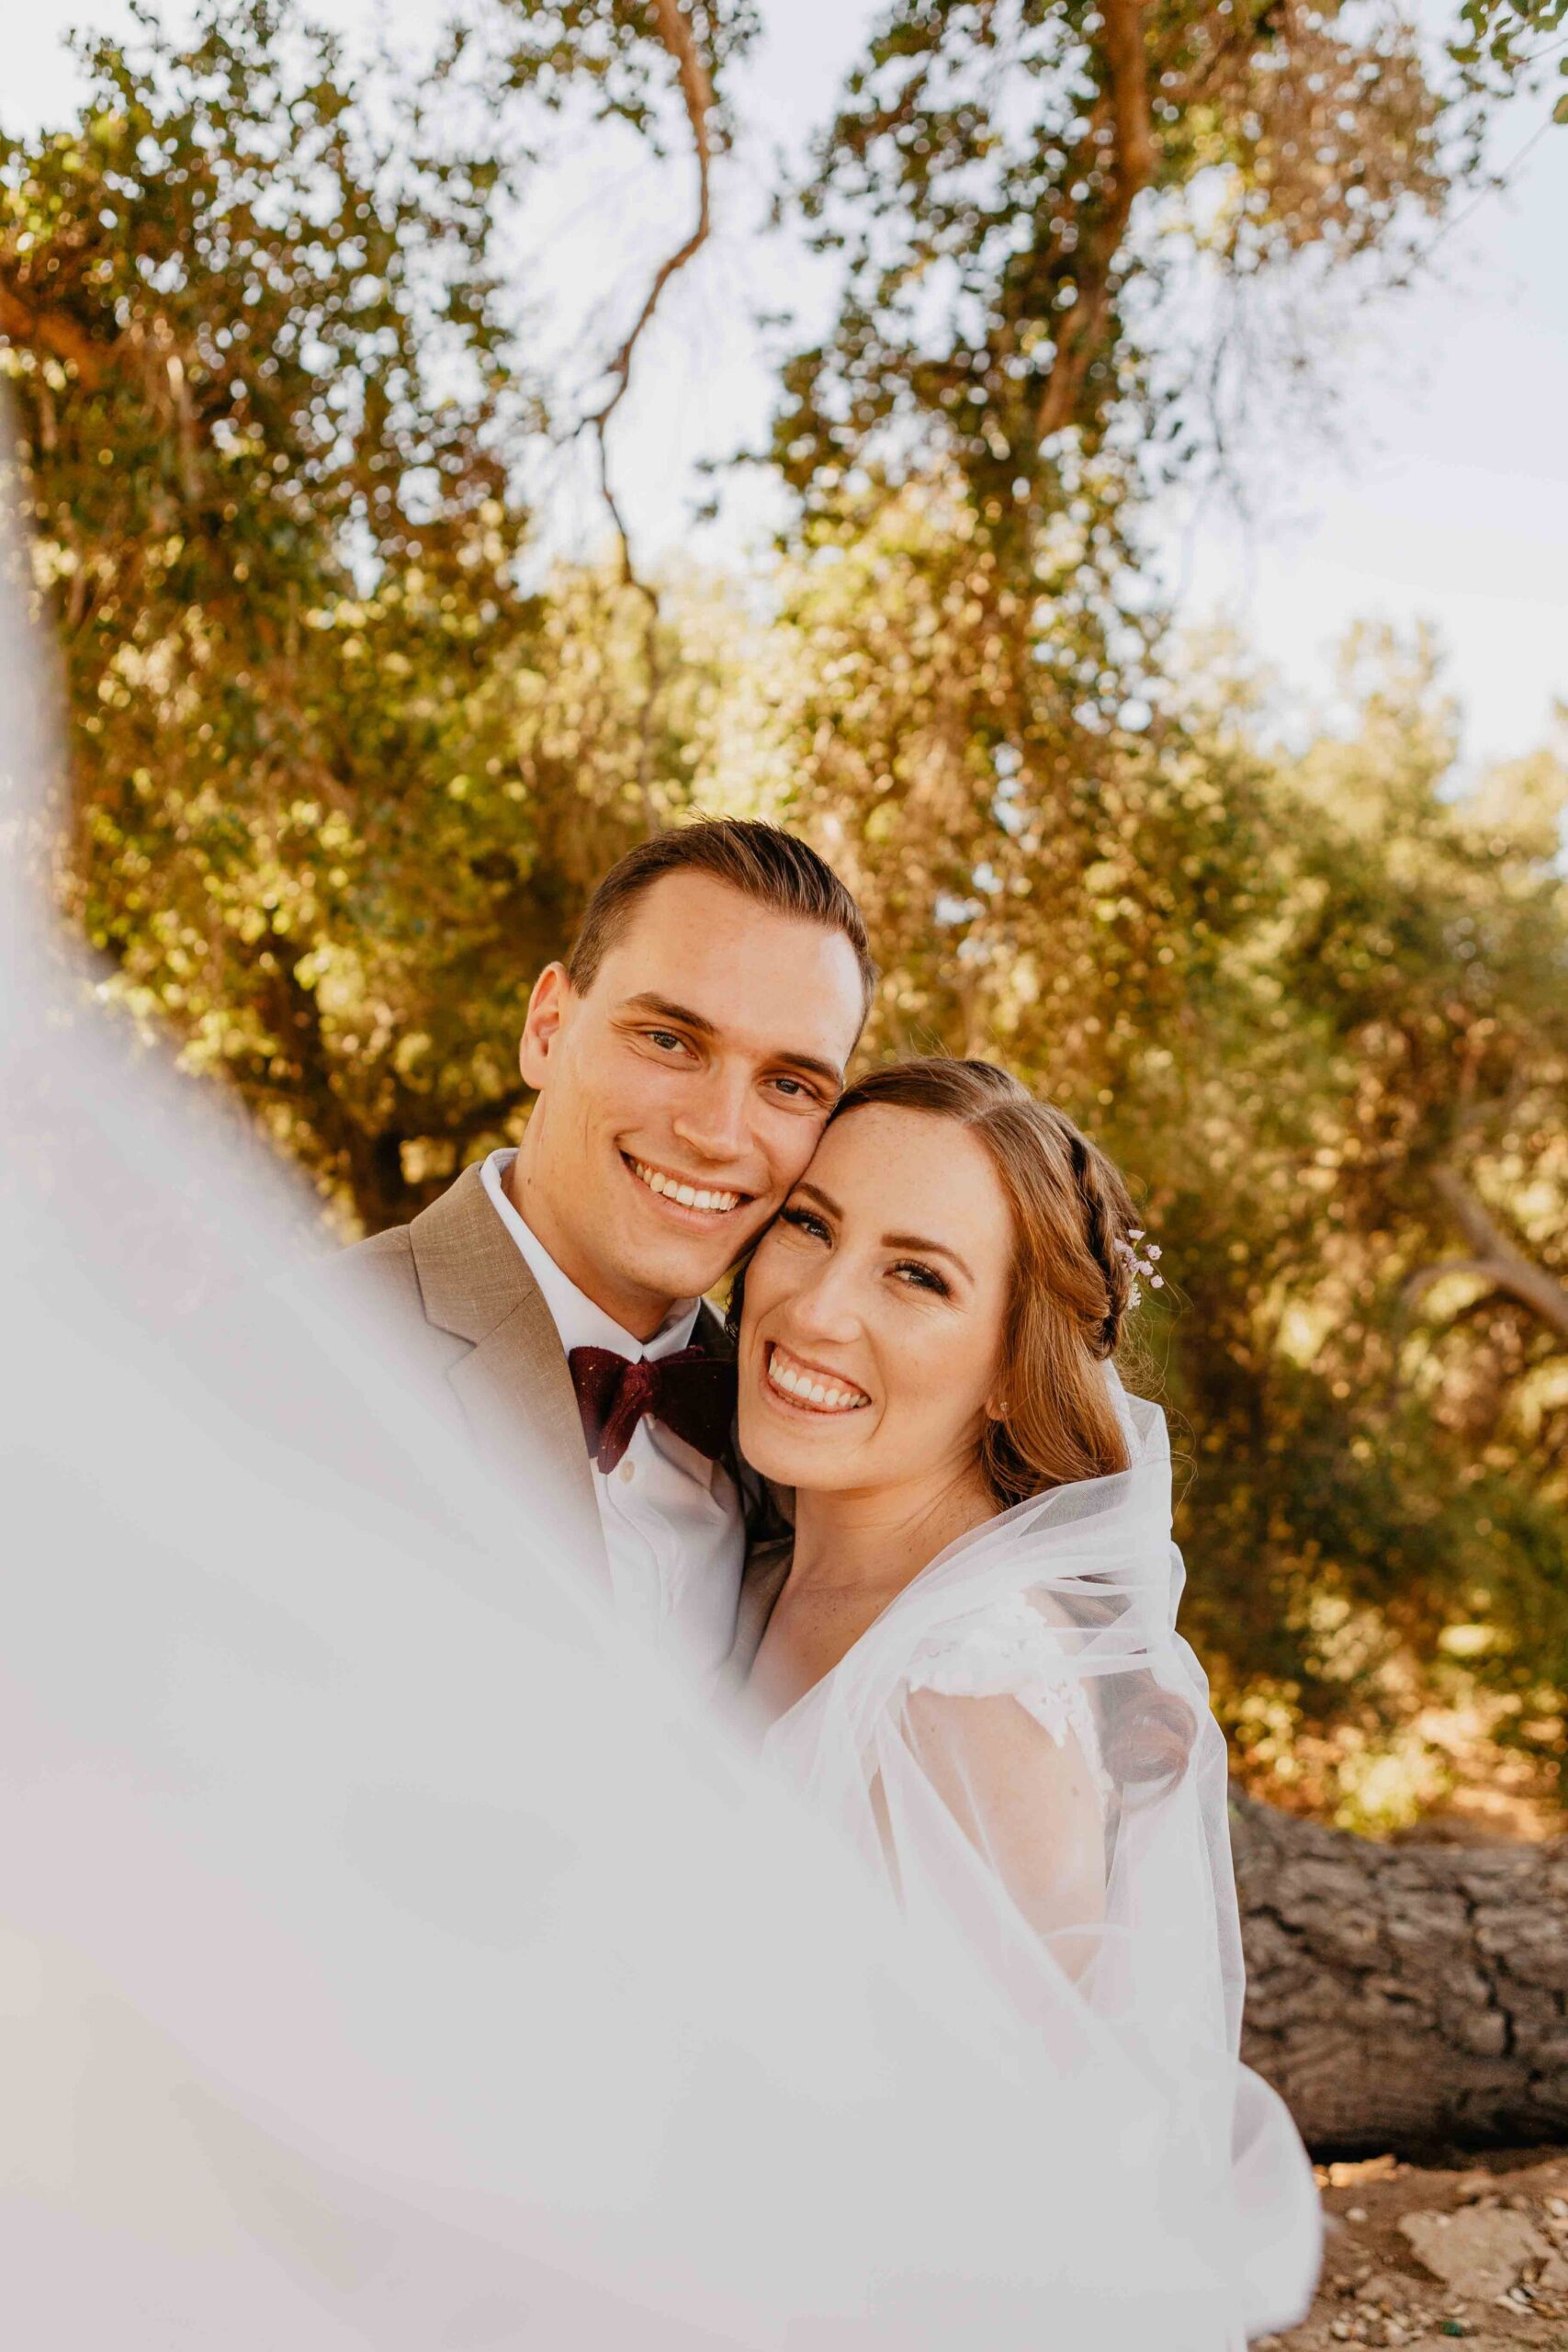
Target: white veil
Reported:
point(388, 1956)
point(1022, 1746)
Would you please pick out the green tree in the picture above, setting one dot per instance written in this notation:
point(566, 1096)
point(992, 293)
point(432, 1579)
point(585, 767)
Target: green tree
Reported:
point(266, 423)
point(340, 783)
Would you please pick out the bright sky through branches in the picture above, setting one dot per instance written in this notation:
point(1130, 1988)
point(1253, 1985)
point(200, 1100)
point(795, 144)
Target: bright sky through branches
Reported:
point(1446, 502)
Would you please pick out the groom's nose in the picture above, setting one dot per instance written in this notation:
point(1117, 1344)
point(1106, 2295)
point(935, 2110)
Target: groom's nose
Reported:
point(713, 1118)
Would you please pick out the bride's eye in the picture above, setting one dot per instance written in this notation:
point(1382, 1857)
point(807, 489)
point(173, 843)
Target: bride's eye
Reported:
point(805, 1221)
point(920, 1277)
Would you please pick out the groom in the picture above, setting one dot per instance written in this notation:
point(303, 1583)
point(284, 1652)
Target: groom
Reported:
point(684, 1057)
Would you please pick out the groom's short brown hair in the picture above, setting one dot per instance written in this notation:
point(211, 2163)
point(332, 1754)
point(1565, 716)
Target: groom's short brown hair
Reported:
point(762, 861)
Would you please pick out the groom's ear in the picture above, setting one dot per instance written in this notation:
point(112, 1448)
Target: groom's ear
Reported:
point(548, 1005)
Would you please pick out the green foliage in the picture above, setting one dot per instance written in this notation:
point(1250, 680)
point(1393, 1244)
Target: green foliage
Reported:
point(1505, 42)
point(556, 50)
point(267, 424)
point(339, 786)
point(980, 182)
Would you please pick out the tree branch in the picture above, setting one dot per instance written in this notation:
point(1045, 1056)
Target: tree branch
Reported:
point(674, 29)
point(1495, 1259)
point(1424, 1278)
point(1134, 154)
point(34, 329)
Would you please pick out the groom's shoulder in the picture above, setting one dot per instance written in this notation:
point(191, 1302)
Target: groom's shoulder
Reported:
point(382, 1267)
point(389, 1260)
point(393, 1248)
point(377, 1281)
point(452, 1269)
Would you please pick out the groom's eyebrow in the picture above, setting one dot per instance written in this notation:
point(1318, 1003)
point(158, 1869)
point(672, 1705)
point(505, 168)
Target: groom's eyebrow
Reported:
point(663, 1008)
point(667, 1009)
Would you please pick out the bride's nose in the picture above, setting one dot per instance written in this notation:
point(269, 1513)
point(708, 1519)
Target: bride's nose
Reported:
point(829, 1305)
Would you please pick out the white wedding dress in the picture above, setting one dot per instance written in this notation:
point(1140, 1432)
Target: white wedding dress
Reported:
point(1021, 1747)
point(388, 1956)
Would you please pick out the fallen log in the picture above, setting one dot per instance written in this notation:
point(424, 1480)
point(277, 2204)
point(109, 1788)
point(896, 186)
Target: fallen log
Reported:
point(1406, 1997)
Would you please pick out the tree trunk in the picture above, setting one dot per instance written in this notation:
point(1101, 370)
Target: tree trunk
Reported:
point(1406, 1997)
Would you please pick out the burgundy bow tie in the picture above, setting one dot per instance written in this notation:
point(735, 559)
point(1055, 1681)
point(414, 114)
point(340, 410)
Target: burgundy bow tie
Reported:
point(691, 1392)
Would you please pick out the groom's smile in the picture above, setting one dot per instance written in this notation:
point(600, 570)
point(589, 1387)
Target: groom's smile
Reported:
point(692, 1197)
point(681, 1091)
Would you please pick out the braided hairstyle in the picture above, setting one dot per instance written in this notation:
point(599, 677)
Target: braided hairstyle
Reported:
point(1071, 1282)
point(1071, 1288)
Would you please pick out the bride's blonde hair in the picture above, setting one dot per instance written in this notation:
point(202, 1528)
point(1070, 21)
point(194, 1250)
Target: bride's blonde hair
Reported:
point(1072, 1274)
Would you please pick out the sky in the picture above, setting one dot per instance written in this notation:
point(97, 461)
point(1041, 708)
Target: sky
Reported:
point(1443, 499)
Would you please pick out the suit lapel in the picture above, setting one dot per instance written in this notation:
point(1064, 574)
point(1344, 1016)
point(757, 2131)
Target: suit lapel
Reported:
point(514, 1385)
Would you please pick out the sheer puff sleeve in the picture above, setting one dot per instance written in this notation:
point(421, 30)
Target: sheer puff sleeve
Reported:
point(1004, 1731)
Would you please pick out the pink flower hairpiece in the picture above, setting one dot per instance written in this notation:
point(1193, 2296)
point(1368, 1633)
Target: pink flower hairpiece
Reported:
point(1142, 1263)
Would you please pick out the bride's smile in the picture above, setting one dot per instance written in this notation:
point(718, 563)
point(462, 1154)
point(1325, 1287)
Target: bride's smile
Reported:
point(875, 1307)
point(810, 1387)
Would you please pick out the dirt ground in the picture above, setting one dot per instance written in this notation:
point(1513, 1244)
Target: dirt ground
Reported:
point(1422, 2258)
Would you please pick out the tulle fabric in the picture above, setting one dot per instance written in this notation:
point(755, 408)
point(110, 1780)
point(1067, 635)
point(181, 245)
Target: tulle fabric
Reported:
point(1021, 1747)
point(388, 1956)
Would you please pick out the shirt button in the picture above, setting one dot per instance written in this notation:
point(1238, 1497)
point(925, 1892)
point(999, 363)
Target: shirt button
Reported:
point(628, 1473)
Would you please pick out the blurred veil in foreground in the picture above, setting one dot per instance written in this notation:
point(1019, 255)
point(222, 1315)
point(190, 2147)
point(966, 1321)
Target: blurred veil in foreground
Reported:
point(387, 1956)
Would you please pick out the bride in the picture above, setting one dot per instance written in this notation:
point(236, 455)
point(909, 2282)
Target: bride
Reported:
point(967, 1653)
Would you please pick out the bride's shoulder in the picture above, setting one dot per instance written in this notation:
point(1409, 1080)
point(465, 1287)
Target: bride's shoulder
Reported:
point(1017, 1645)
point(990, 1648)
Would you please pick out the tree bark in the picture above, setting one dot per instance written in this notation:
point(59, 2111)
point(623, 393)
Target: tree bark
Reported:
point(1125, 108)
point(1405, 1998)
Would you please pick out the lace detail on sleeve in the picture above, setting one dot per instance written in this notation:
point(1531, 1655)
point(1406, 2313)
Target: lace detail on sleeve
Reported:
point(1009, 1651)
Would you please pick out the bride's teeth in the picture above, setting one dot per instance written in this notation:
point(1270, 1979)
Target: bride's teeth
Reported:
point(825, 1395)
point(686, 1196)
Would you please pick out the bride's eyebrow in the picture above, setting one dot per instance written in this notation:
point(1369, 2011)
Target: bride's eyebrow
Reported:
point(823, 1200)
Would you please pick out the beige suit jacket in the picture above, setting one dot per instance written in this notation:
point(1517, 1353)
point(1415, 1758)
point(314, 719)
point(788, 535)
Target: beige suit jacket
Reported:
point(457, 1291)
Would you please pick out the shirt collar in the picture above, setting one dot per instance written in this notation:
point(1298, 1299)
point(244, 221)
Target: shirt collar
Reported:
point(578, 1322)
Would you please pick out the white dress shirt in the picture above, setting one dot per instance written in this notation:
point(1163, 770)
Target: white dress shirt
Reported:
point(673, 1526)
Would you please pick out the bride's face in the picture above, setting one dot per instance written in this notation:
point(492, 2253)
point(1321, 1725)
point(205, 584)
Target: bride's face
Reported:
point(875, 1305)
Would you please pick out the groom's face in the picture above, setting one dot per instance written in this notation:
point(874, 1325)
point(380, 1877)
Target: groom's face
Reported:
point(681, 1094)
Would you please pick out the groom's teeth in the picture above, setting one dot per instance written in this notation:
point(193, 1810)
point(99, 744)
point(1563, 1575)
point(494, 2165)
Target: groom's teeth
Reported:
point(690, 1197)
